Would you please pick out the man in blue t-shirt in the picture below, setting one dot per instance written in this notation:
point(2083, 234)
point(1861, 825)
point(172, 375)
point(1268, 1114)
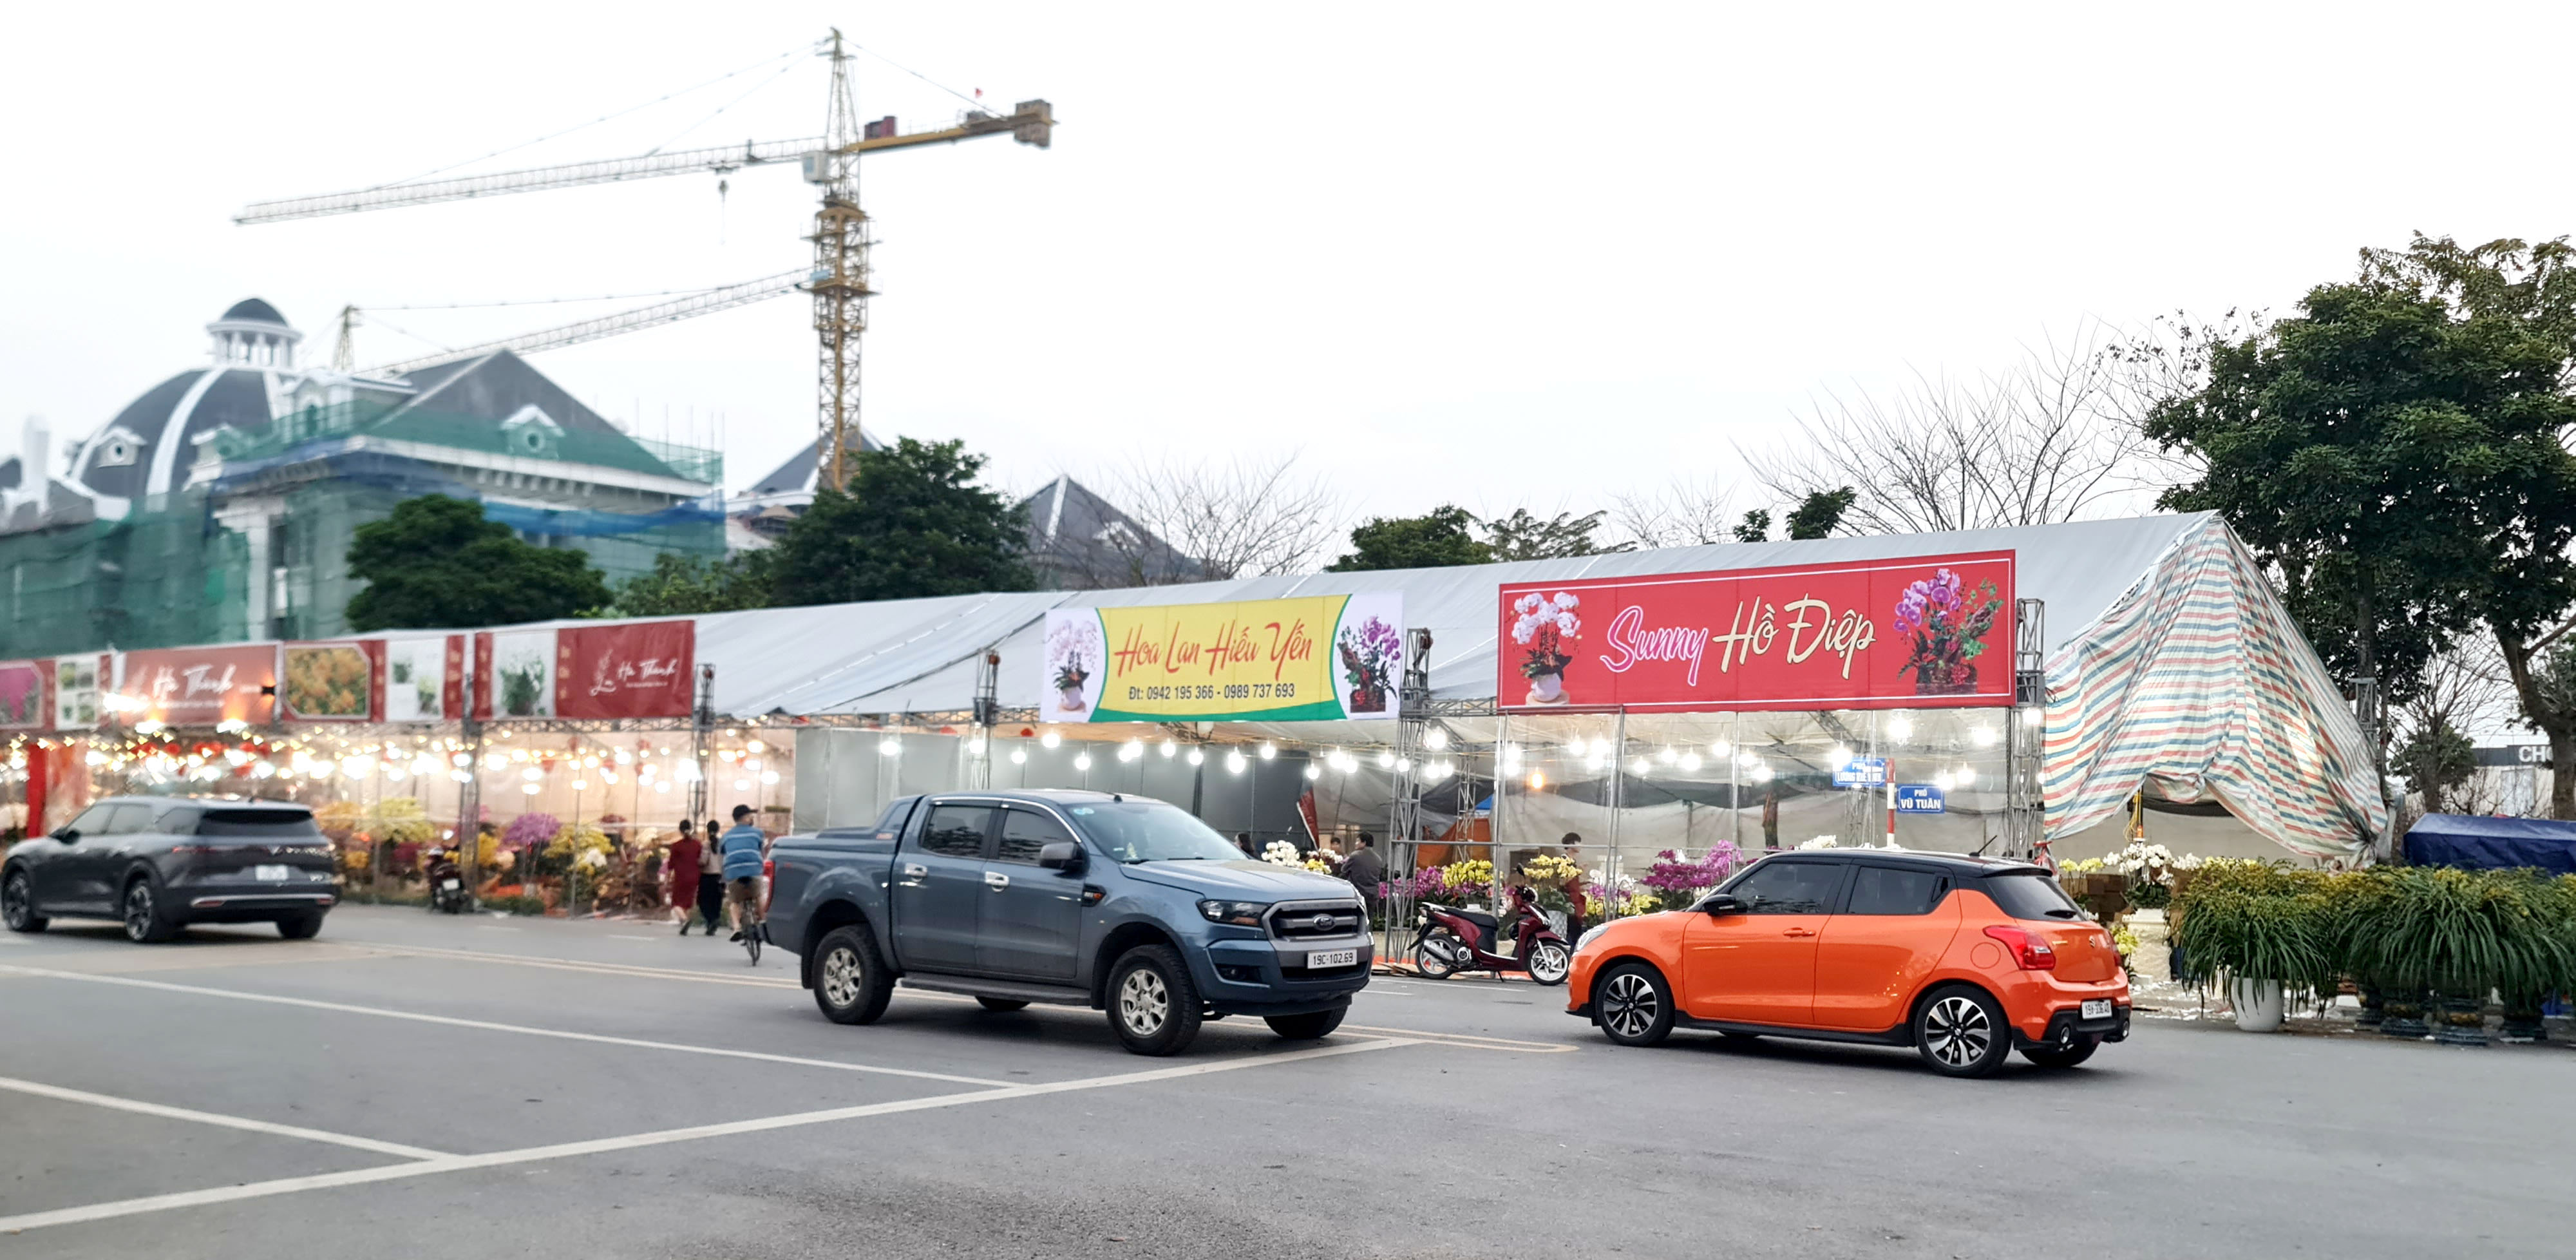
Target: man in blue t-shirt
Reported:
point(745, 851)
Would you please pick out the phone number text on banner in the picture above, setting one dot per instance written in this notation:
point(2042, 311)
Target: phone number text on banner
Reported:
point(1321, 658)
point(1918, 632)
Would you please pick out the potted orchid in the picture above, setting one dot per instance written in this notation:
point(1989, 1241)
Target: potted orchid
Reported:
point(1543, 625)
point(1074, 649)
point(1946, 626)
point(1371, 653)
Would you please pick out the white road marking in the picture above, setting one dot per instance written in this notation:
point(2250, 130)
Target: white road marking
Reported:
point(139, 1107)
point(488, 1026)
point(464, 1163)
point(604, 968)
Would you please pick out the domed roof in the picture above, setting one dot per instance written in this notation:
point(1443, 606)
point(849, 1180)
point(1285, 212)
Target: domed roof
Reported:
point(254, 309)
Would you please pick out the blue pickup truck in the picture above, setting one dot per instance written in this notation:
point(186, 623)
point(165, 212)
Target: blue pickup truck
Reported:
point(1119, 903)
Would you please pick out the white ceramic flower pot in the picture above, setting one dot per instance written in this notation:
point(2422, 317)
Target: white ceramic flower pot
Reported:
point(2258, 1004)
point(1069, 699)
point(1549, 688)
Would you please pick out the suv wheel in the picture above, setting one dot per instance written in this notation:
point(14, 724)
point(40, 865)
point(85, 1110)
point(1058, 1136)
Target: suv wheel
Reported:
point(1310, 1026)
point(144, 922)
point(1633, 1005)
point(1152, 1002)
point(301, 927)
point(850, 981)
point(1962, 1032)
point(18, 904)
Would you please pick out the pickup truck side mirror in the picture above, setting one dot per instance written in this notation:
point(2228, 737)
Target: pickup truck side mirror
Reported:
point(66, 834)
point(1062, 855)
point(1721, 904)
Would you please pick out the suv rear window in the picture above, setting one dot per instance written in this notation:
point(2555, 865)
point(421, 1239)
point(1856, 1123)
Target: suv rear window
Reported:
point(292, 823)
point(2030, 896)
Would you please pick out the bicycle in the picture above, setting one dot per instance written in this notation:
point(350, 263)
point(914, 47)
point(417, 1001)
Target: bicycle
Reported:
point(751, 939)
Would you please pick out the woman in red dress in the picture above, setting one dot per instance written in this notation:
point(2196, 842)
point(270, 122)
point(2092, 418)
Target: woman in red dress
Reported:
point(680, 867)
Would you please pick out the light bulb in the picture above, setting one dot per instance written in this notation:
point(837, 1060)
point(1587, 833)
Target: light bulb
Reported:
point(529, 788)
point(1170, 748)
point(1984, 736)
point(1838, 756)
point(1385, 760)
point(1082, 761)
point(1269, 750)
point(1640, 766)
point(1234, 762)
point(890, 746)
point(581, 785)
point(1197, 757)
point(1669, 755)
point(1314, 771)
point(1900, 727)
point(462, 760)
point(1019, 756)
point(1965, 777)
point(1537, 781)
point(662, 786)
point(1720, 749)
point(1762, 774)
point(1436, 738)
point(1050, 739)
point(757, 747)
point(769, 777)
point(532, 774)
point(1690, 762)
point(742, 785)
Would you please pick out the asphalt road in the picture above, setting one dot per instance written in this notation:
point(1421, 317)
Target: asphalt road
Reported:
point(410, 1085)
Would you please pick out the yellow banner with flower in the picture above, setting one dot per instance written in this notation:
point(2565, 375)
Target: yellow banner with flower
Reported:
point(1321, 658)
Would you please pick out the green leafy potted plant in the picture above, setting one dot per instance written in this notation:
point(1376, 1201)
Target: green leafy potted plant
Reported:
point(2460, 935)
point(2262, 944)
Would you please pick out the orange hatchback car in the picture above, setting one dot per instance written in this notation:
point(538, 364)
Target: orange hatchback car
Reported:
point(1965, 959)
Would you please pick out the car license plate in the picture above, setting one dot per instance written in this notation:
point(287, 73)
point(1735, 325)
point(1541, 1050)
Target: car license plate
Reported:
point(1332, 958)
point(2098, 1008)
point(452, 885)
point(272, 874)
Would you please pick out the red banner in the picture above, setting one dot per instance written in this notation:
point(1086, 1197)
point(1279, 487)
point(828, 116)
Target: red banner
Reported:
point(199, 686)
point(333, 682)
point(633, 671)
point(26, 695)
point(1923, 632)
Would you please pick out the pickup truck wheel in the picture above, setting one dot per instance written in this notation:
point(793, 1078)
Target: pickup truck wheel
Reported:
point(1004, 1005)
point(850, 981)
point(1309, 1026)
point(1152, 1003)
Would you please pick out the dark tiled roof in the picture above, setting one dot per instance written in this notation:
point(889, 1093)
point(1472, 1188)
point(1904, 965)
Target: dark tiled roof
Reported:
point(253, 308)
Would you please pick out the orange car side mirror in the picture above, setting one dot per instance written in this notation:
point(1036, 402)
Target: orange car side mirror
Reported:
point(1721, 904)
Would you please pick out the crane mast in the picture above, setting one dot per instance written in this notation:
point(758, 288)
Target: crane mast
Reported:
point(839, 281)
point(838, 278)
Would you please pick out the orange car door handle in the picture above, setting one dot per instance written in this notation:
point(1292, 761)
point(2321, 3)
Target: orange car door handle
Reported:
point(1797, 932)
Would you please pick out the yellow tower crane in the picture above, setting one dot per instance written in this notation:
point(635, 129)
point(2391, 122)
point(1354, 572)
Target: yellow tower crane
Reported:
point(838, 279)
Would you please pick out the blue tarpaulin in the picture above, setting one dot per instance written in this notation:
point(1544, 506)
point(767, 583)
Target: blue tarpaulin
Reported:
point(2481, 843)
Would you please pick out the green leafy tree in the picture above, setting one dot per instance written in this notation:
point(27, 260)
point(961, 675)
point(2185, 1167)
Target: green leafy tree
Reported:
point(1524, 536)
point(2435, 760)
point(1439, 538)
point(1756, 526)
point(436, 564)
point(2394, 453)
point(914, 522)
point(1818, 513)
point(681, 586)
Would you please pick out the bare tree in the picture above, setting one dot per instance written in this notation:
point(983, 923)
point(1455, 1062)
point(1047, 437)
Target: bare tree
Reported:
point(1239, 517)
point(1686, 513)
point(2051, 438)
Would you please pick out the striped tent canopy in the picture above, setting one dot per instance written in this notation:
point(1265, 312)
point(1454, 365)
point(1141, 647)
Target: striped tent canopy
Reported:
point(2197, 686)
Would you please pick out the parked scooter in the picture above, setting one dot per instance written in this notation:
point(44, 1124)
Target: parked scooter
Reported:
point(447, 893)
point(1455, 940)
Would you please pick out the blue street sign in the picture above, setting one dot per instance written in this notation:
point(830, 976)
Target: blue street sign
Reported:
point(1919, 798)
point(1861, 772)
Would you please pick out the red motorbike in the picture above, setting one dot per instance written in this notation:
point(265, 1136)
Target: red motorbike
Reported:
point(1454, 940)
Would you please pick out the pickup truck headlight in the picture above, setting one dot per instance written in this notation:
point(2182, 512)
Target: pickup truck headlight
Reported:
point(1238, 913)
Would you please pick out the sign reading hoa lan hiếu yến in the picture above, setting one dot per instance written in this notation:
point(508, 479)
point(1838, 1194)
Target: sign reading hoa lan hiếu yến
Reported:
point(1319, 658)
point(1919, 632)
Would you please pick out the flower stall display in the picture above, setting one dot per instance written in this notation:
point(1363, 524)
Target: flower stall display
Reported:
point(1946, 626)
point(1542, 624)
point(1282, 853)
point(1372, 652)
point(1678, 881)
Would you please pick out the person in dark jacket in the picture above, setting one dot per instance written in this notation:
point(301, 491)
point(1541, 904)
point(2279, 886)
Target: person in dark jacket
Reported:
point(1366, 869)
point(681, 865)
point(711, 881)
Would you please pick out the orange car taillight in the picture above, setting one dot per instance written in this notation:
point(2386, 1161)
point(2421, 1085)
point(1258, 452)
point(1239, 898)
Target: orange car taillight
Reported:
point(2032, 953)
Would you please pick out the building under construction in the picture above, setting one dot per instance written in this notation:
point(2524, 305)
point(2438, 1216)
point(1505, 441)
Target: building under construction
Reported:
point(220, 504)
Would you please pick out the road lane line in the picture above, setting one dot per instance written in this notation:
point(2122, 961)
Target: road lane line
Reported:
point(596, 1146)
point(1470, 1041)
point(139, 1107)
point(489, 1026)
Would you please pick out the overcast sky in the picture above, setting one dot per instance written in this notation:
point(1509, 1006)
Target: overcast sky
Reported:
point(1494, 254)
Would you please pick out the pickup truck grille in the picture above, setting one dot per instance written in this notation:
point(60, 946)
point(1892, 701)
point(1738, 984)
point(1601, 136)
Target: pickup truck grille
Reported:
point(1306, 921)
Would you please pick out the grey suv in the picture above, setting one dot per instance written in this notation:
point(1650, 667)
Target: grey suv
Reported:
point(162, 863)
